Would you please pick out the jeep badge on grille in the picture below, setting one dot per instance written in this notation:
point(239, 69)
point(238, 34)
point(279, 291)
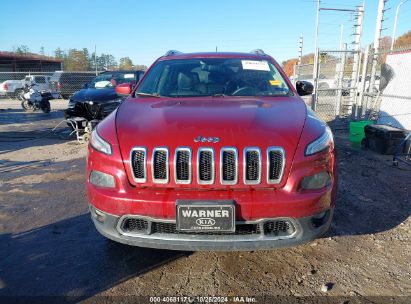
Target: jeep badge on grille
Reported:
point(207, 139)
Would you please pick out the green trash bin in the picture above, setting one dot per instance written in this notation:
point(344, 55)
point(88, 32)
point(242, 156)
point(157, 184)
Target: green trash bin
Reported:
point(357, 130)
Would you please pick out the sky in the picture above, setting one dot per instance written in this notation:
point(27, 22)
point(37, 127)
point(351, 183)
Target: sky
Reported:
point(145, 30)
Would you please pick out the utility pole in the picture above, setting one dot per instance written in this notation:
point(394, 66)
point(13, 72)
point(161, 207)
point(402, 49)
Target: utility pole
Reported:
point(361, 101)
point(341, 35)
point(315, 50)
point(377, 38)
point(300, 55)
point(343, 56)
point(395, 23)
point(357, 50)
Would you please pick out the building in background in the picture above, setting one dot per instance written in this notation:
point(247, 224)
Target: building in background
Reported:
point(11, 62)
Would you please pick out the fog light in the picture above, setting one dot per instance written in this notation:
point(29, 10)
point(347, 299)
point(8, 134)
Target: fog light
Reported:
point(99, 216)
point(101, 179)
point(320, 219)
point(316, 181)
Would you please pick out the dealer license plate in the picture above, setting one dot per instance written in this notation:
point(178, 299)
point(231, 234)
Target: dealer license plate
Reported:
point(205, 216)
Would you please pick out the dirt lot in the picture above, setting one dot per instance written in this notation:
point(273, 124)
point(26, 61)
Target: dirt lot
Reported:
point(48, 244)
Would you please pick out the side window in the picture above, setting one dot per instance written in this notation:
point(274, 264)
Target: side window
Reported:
point(27, 79)
point(40, 79)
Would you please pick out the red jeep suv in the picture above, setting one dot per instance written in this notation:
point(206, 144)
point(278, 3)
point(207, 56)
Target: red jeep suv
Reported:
point(212, 151)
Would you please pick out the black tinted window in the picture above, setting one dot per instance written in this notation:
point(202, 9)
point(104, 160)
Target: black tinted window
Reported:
point(214, 76)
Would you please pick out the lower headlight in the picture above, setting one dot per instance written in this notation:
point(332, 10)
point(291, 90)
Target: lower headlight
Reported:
point(102, 179)
point(316, 181)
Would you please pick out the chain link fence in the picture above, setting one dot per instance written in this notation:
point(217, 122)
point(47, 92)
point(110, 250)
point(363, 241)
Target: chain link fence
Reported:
point(61, 84)
point(360, 85)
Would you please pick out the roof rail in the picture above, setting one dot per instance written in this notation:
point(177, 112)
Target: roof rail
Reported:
point(258, 52)
point(172, 52)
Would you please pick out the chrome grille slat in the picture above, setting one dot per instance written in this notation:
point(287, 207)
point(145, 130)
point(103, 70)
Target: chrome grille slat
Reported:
point(159, 165)
point(205, 166)
point(275, 164)
point(228, 166)
point(182, 166)
point(138, 164)
point(252, 166)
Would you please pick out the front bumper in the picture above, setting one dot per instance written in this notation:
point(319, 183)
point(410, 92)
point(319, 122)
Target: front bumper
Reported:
point(305, 229)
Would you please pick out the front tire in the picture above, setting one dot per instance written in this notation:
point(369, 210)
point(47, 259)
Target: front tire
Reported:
point(26, 106)
point(45, 106)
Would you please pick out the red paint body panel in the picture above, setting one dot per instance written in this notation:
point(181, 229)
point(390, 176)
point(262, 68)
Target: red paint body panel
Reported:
point(238, 121)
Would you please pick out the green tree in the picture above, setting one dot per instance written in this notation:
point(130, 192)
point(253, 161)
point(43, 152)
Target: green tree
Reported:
point(76, 60)
point(125, 63)
point(140, 67)
point(403, 41)
point(42, 51)
point(87, 56)
point(59, 54)
point(106, 62)
point(21, 50)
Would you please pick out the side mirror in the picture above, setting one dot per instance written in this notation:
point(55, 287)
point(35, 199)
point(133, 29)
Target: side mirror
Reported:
point(304, 88)
point(124, 89)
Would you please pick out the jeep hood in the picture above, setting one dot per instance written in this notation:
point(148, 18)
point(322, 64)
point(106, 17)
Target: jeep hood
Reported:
point(237, 121)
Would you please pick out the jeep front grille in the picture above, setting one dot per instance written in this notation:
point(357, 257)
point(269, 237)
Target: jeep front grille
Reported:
point(143, 226)
point(135, 225)
point(170, 228)
point(160, 165)
point(252, 166)
point(138, 159)
point(275, 166)
point(274, 228)
point(278, 228)
point(205, 168)
point(228, 166)
point(182, 166)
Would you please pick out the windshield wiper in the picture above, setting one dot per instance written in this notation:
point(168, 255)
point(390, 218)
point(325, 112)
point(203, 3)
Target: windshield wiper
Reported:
point(148, 94)
point(219, 95)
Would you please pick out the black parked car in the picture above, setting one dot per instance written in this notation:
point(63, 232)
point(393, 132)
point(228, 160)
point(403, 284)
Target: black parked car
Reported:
point(98, 98)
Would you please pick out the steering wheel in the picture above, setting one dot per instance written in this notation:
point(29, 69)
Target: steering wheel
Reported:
point(244, 90)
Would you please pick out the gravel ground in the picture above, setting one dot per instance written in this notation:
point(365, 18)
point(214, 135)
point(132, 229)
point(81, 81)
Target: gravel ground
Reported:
point(49, 247)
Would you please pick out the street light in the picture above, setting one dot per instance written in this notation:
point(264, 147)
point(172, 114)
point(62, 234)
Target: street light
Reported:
point(395, 23)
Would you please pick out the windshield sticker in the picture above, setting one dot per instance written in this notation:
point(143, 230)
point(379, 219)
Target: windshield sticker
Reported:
point(102, 84)
point(128, 75)
point(275, 82)
point(255, 65)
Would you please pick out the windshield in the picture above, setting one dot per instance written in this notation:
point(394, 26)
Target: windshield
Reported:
point(107, 80)
point(214, 77)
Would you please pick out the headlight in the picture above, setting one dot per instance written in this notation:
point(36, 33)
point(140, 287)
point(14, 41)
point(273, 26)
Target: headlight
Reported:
point(321, 143)
point(99, 143)
point(71, 104)
point(316, 181)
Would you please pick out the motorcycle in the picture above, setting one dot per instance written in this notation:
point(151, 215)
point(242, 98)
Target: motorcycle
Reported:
point(32, 99)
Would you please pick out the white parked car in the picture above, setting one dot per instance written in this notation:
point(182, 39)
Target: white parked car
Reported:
point(13, 88)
